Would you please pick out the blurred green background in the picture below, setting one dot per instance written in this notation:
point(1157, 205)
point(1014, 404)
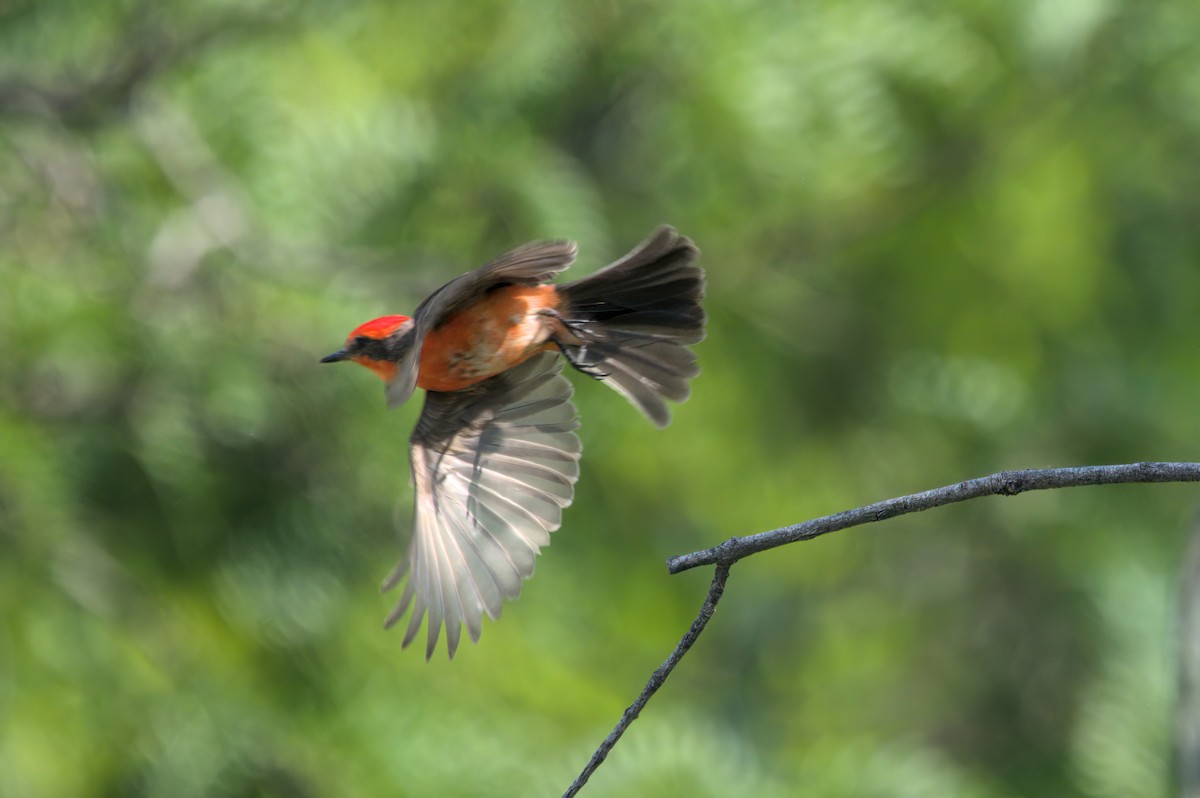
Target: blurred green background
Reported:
point(942, 239)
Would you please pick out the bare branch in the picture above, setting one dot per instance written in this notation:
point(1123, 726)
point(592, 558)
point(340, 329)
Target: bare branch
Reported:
point(1004, 483)
point(715, 591)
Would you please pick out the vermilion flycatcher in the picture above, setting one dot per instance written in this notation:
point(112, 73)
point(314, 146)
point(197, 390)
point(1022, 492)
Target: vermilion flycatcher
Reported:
point(494, 455)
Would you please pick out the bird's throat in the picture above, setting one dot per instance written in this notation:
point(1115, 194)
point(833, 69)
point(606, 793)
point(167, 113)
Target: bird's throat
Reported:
point(386, 369)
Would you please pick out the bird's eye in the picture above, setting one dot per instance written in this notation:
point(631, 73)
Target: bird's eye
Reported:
point(361, 341)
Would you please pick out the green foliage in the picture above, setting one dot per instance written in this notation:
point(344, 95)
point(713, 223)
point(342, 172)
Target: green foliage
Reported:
point(941, 239)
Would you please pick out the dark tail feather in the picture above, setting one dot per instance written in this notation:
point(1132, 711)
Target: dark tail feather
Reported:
point(630, 324)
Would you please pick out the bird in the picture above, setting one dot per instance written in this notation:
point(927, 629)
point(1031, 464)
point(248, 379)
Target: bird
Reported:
point(494, 455)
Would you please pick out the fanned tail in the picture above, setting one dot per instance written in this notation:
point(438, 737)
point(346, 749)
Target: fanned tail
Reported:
point(631, 323)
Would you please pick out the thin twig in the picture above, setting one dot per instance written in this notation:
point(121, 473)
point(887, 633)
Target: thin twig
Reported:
point(1004, 483)
point(715, 591)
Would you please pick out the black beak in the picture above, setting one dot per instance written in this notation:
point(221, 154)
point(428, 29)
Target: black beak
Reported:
point(335, 357)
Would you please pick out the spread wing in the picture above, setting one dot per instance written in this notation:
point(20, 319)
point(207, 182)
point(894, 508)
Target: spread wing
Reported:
point(531, 264)
point(493, 467)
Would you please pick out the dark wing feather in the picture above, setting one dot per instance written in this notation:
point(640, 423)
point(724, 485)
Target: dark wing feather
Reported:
point(493, 467)
point(532, 264)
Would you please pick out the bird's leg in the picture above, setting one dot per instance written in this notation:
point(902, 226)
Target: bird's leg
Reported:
point(579, 331)
point(573, 339)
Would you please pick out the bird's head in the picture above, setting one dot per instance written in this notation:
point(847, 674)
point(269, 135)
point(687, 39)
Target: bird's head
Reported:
point(378, 344)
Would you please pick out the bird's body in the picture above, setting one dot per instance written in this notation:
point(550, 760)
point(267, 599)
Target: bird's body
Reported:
point(504, 328)
point(494, 455)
